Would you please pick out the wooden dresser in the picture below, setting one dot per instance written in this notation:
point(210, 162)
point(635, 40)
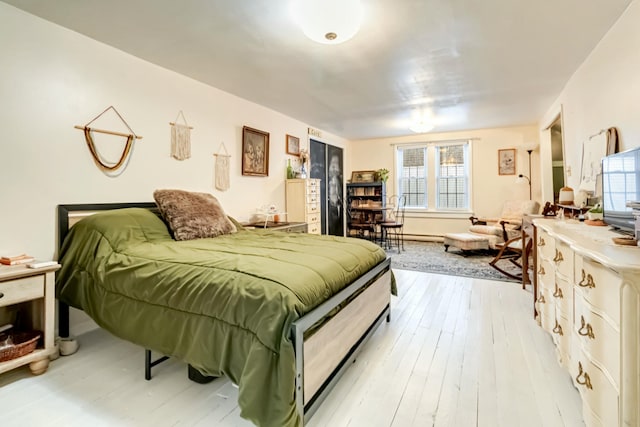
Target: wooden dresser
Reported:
point(303, 203)
point(588, 298)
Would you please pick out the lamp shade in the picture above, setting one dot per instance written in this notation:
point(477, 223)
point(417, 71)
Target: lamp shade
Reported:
point(328, 21)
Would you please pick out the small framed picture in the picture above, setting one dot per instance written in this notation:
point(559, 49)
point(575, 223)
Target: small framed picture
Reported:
point(293, 145)
point(507, 161)
point(363, 176)
point(255, 152)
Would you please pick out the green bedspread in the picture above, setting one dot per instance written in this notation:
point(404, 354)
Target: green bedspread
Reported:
point(225, 305)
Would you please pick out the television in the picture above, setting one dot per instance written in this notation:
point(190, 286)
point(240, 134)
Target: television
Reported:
point(620, 184)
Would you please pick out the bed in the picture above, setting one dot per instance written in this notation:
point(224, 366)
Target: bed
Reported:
point(280, 314)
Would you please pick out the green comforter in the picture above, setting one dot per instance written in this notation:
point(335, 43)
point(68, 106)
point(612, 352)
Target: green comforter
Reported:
point(225, 305)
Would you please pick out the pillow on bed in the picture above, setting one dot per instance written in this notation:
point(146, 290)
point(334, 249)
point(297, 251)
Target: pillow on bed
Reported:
point(192, 215)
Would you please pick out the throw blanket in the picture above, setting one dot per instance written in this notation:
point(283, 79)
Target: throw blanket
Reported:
point(225, 305)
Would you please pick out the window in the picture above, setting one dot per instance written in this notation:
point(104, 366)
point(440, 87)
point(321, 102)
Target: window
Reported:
point(434, 175)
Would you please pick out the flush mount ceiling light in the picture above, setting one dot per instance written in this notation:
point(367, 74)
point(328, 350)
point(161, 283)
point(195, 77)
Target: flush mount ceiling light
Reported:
point(421, 127)
point(328, 21)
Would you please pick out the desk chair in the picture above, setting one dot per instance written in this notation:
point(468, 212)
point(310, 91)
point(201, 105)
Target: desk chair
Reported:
point(392, 228)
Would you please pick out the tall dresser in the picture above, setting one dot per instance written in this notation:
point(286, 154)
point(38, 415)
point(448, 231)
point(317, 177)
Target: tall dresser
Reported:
point(303, 202)
point(588, 299)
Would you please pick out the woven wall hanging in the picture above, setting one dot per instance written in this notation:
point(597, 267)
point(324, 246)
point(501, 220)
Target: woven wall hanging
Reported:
point(222, 173)
point(109, 168)
point(180, 138)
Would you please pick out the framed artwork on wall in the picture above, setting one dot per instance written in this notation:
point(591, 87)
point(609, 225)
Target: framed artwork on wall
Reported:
point(255, 152)
point(507, 161)
point(293, 145)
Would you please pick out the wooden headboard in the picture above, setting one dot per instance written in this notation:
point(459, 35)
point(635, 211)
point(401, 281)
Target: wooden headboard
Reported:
point(68, 215)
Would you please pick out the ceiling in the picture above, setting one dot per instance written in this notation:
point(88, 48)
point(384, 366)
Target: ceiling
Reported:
point(467, 64)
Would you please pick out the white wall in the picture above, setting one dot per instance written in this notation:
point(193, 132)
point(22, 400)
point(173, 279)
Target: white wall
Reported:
point(603, 92)
point(52, 79)
point(489, 190)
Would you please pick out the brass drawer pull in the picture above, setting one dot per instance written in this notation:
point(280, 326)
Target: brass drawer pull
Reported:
point(558, 329)
point(585, 329)
point(587, 381)
point(541, 270)
point(541, 242)
point(541, 300)
point(558, 257)
point(558, 292)
point(1, 295)
point(589, 281)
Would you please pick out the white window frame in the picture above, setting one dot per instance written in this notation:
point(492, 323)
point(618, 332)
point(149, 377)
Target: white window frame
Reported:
point(432, 175)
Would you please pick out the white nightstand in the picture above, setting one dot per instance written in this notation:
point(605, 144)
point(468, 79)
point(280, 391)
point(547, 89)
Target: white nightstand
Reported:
point(31, 291)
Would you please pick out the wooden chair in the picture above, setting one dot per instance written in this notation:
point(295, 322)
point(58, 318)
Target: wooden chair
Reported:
point(392, 229)
point(516, 251)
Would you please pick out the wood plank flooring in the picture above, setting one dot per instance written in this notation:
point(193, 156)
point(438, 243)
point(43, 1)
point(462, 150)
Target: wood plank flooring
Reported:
point(458, 352)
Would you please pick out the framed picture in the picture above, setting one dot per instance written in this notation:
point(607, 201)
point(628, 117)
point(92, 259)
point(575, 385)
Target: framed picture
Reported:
point(255, 152)
point(363, 176)
point(507, 161)
point(293, 145)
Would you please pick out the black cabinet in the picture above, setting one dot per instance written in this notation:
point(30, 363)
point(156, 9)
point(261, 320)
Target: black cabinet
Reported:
point(366, 205)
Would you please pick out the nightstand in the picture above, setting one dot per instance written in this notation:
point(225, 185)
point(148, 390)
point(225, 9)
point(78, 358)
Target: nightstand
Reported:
point(30, 291)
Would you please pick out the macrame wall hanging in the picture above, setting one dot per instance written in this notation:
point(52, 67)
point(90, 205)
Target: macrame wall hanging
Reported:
point(109, 168)
point(180, 138)
point(222, 173)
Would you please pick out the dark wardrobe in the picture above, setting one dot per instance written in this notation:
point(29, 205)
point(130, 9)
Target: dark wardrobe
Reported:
point(327, 165)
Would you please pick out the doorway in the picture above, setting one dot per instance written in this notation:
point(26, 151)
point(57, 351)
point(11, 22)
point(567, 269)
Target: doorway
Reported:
point(557, 158)
point(327, 165)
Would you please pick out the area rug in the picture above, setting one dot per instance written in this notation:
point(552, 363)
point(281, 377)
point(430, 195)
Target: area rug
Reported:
point(430, 257)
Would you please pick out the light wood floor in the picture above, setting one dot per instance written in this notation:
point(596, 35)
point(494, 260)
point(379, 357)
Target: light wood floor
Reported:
point(458, 352)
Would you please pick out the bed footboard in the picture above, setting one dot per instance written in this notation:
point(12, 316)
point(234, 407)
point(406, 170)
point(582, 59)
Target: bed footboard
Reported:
point(323, 357)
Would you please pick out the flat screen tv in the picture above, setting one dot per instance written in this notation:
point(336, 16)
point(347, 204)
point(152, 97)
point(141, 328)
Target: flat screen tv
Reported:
point(620, 184)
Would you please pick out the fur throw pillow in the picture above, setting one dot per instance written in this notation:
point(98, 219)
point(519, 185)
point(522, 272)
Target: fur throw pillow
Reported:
point(192, 215)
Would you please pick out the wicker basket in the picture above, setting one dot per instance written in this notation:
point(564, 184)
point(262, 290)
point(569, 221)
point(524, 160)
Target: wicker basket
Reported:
point(23, 344)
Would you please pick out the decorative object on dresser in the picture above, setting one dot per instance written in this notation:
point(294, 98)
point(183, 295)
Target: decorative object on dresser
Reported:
point(111, 169)
point(180, 138)
point(303, 202)
point(587, 296)
point(255, 152)
point(27, 300)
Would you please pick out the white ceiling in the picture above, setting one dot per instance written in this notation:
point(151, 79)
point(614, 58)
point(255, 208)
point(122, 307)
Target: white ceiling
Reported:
point(470, 63)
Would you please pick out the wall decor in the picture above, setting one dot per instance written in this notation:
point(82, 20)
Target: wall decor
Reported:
point(293, 145)
point(596, 147)
point(109, 168)
point(180, 138)
point(255, 152)
point(363, 176)
point(507, 161)
point(222, 174)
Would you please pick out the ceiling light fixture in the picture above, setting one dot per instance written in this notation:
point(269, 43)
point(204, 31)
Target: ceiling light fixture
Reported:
point(421, 127)
point(328, 21)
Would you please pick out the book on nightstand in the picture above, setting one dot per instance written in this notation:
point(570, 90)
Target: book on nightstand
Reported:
point(16, 259)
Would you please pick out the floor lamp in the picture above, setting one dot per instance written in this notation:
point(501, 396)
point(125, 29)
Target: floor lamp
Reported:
point(524, 178)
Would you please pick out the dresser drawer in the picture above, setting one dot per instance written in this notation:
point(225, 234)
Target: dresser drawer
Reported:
point(546, 274)
point(312, 208)
point(598, 394)
point(600, 286)
point(546, 244)
point(313, 185)
point(562, 294)
point(561, 333)
point(563, 258)
point(314, 228)
point(311, 218)
point(598, 338)
point(546, 310)
point(18, 290)
point(313, 198)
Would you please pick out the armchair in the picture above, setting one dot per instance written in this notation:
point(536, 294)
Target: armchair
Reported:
point(500, 230)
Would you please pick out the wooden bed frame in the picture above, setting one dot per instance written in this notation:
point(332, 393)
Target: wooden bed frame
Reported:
point(324, 356)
